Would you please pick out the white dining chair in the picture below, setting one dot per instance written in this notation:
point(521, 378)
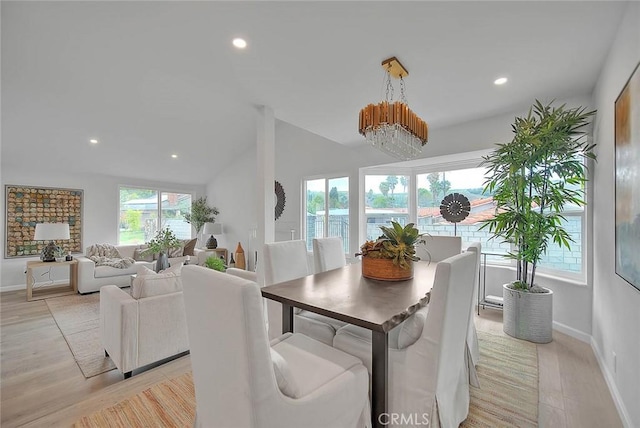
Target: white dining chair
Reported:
point(428, 370)
point(437, 248)
point(328, 254)
point(284, 261)
point(472, 334)
point(241, 380)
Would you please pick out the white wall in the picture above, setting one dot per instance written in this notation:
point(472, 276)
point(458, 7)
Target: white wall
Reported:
point(100, 210)
point(234, 193)
point(298, 154)
point(616, 304)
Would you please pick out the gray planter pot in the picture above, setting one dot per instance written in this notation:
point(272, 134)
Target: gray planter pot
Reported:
point(528, 316)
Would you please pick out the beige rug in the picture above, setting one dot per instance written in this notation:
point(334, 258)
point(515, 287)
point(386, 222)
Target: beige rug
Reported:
point(508, 372)
point(78, 319)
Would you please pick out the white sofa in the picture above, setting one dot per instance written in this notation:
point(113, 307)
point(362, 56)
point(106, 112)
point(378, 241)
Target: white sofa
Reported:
point(146, 326)
point(92, 277)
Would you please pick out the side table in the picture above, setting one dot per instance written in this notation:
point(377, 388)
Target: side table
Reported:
point(51, 291)
point(203, 253)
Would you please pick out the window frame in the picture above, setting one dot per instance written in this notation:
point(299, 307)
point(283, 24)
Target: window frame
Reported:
point(159, 191)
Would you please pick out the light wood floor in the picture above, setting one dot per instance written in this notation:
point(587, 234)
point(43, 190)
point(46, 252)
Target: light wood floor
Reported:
point(41, 385)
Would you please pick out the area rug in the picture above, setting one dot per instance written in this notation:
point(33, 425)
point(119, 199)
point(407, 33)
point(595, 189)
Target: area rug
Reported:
point(508, 393)
point(508, 397)
point(78, 319)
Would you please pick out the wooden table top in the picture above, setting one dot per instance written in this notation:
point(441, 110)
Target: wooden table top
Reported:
point(344, 294)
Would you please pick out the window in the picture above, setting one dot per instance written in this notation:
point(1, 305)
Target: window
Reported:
point(144, 211)
point(432, 187)
point(327, 216)
point(392, 197)
point(385, 200)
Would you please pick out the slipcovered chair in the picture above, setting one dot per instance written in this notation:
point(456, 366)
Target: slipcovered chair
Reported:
point(472, 335)
point(147, 326)
point(437, 248)
point(284, 261)
point(243, 381)
point(428, 369)
point(328, 254)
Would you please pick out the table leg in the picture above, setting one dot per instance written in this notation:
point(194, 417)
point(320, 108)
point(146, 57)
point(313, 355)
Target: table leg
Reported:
point(287, 318)
point(380, 370)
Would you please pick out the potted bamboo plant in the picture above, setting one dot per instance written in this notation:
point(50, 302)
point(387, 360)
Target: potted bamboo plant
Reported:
point(531, 179)
point(391, 256)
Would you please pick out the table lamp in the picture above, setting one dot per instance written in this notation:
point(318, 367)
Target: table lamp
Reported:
point(212, 229)
point(50, 232)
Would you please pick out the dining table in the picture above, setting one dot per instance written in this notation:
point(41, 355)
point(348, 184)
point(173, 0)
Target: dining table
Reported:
point(344, 294)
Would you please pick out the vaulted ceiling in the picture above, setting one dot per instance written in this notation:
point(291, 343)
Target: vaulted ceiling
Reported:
point(151, 79)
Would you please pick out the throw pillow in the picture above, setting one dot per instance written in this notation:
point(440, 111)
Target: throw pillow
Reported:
point(139, 256)
point(189, 248)
point(286, 383)
point(412, 328)
point(175, 252)
point(148, 283)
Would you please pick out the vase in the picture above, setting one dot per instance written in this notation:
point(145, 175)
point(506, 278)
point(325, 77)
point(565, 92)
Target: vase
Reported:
point(385, 270)
point(163, 262)
point(212, 243)
point(240, 260)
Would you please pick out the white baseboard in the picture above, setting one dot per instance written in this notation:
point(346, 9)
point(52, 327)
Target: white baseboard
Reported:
point(611, 383)
point(24, 286)
point(570, 331)
point(13, 287)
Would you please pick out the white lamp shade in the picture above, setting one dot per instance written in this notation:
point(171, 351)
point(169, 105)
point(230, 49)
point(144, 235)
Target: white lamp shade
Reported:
point(213, 229)
point(51, 231)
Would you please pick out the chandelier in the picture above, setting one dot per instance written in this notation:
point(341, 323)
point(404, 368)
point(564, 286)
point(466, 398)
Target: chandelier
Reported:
point(391, 126)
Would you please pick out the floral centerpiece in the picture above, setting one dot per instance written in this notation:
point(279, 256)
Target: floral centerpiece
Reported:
point(391, 256)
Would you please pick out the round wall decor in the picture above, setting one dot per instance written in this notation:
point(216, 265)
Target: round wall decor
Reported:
point(280, 199)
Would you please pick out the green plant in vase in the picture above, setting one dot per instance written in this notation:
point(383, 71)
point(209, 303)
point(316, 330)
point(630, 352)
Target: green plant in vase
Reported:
point(397, 244)
point(164, 240)
point(200, 214)
point(532, 179)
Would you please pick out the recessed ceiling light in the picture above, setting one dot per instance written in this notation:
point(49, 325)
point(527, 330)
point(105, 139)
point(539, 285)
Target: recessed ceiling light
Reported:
point(174, 156)
point(93, 141)
point(239, 43)
point(500, 81)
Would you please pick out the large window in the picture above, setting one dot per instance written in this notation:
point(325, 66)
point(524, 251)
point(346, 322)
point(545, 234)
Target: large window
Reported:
point(144, 211)
point(432, 187)
point(327, 209)
point(386, 198)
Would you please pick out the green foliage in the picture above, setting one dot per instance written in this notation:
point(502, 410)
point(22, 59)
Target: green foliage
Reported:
point(315, 202)
point(384, 188)
point(215, 263)
point(132, 219)
point(533, 177)
point(200, 214)
point(162, 242)
point(128, 194)
point(392, 181)
point(396, 242)
point(425, 198)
